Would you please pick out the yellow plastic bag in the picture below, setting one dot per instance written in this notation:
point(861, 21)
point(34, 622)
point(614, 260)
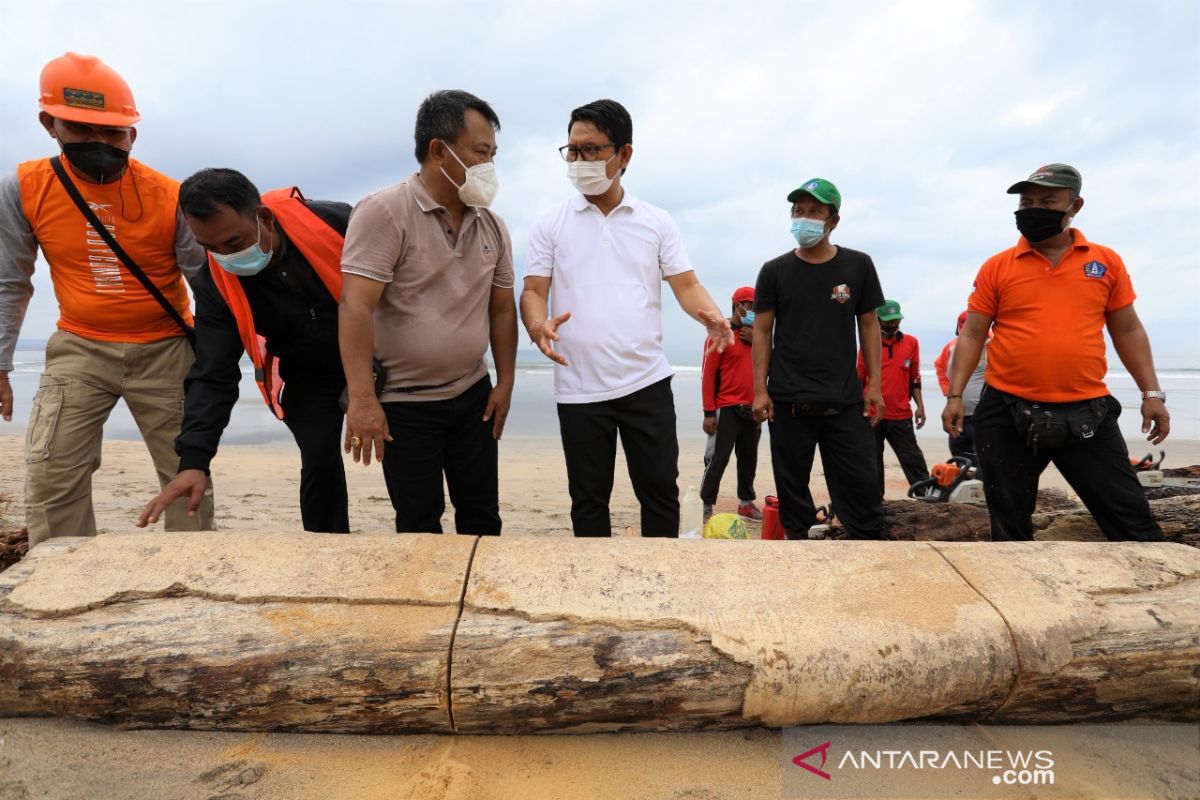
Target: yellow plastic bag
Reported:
point(726, 526)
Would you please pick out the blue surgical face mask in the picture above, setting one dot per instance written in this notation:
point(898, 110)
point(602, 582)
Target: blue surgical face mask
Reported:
point(808, 232)
point(245, 263)
point(748, 318)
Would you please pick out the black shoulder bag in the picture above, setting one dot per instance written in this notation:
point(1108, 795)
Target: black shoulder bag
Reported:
point(119, 252)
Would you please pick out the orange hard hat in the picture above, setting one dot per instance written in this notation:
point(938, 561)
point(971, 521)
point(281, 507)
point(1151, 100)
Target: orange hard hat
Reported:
point(84, 89)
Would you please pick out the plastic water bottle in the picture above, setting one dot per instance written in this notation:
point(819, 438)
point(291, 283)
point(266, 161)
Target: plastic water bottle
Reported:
point(691, 515)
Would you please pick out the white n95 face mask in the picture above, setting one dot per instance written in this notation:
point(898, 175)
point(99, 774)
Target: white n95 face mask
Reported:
point(481, 184)
point(590, 177)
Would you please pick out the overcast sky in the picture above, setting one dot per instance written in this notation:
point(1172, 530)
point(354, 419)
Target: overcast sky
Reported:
point(922, 113)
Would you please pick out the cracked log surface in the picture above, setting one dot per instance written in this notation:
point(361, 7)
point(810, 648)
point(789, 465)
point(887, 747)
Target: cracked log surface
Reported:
point(388, 634)
point(233, 631)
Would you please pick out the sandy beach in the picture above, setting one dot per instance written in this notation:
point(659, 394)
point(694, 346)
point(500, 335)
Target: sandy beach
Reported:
point(256, 488)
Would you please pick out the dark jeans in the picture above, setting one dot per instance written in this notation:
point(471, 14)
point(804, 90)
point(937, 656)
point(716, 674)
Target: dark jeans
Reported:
point(312, 414)
point(1097, 469)
point(733, 432)
point(646, 423)
point(964, 443)
point(847, 452)
point(901, 435)
point(436, 437)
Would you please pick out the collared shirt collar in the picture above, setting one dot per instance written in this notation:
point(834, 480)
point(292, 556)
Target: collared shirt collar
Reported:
point(581, 203)
point(425, 200)
point(1078, 242)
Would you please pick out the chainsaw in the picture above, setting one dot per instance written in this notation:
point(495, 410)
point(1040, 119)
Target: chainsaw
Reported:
point(1150, 474)
point(955, 481)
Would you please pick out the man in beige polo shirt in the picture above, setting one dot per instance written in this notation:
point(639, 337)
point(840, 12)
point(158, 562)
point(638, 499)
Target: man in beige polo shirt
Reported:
point(427, 285)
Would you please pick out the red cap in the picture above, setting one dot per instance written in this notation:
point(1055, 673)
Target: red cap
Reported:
point(744, 295)
point(962, 320)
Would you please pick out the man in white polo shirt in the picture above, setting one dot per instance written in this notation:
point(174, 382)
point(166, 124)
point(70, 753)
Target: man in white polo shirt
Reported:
point(605, 253)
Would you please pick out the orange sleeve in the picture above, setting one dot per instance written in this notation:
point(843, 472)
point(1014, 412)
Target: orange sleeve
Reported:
point(939, 366)
point(984, 298)
point(1122, 293)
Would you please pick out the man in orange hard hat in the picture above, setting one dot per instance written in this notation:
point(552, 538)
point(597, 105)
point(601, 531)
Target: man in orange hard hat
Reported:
point(124, 317)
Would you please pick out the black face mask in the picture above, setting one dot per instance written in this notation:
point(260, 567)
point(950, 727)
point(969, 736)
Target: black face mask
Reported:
point(890, 333)
point(1039, 224)
point(99, 161)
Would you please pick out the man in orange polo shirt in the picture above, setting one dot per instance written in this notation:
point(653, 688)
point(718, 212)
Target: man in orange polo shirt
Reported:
point(114, 339)
point(1048, 301)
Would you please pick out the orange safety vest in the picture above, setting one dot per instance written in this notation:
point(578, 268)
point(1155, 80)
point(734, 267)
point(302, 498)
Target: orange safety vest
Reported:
point(318, 243)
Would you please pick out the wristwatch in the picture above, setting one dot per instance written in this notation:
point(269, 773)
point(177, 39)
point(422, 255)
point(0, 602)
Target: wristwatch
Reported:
point(1155, 396)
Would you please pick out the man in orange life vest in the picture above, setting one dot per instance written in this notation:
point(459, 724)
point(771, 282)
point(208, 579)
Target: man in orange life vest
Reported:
point(115, 339)
point(271, 290)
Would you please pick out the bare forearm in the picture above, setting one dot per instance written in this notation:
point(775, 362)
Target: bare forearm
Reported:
point(1133, 348)
point(535, 308)
point(504, 343)
point(868, 337)
point(761, 357)
point(693, 297)
point(356, 341)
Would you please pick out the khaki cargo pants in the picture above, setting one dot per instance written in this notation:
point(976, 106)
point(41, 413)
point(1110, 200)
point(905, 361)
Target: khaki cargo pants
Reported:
point(82, 381)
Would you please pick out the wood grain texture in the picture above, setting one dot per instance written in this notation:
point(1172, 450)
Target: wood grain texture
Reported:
point(391, 634)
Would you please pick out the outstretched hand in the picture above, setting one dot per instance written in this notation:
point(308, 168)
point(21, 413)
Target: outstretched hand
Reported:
point(545, 334)
point(190, 483)
point(719, 331)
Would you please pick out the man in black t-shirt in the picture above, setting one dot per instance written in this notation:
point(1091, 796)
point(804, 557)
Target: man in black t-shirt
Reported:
point(808, 304)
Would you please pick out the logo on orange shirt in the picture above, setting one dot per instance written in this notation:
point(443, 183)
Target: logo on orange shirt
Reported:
point(1094, 269)
point(841, 293)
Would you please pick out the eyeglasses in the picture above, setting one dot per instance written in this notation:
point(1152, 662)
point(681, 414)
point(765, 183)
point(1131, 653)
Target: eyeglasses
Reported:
point(589, 152)
point(82, 130)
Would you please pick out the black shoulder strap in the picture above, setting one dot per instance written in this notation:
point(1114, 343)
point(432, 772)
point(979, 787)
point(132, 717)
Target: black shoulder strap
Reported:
point(120, 253)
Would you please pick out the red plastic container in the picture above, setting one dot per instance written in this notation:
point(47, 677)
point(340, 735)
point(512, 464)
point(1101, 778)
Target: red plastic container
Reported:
point(771, 529)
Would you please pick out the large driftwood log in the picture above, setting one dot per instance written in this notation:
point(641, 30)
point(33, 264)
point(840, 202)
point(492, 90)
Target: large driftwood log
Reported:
point(233, 631)
point(390, 634)
point(1056, 519)
point(1179, 517)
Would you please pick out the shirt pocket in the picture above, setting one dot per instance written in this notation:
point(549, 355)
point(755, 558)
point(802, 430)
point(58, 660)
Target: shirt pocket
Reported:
point(43, 420)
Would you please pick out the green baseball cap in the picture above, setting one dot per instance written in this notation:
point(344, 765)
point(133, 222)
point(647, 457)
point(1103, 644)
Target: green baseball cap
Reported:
point(889, 311)
point(1056, 176)
point(821, 189)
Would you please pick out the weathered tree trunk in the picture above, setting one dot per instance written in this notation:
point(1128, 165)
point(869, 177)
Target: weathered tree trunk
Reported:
point(1179, 517)
point(1056, 519)
point(14, 543)
point(388, 634)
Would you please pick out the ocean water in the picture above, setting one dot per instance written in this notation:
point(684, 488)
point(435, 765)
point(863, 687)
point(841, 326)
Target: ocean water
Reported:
point(534, 414)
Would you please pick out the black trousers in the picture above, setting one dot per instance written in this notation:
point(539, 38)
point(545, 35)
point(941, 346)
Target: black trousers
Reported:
point(733, 433)
point(436, 437)
point(964, 443)
point(901, 435)
point(645, 421)
point(312, 414)
point(847, 454)
point(1097, 469)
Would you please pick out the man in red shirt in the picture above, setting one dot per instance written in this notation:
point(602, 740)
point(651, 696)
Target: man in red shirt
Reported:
point(1048, 301)
point(900, 372)
point(728, 391)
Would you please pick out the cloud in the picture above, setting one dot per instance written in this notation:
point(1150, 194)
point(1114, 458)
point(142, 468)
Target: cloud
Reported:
point(922, 112)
